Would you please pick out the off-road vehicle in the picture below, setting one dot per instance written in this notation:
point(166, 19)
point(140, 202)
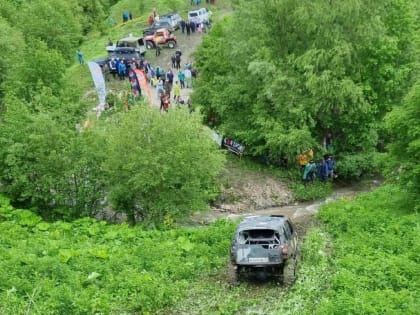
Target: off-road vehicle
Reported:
point(162, 37)
point(131, 41)
point(266, 246)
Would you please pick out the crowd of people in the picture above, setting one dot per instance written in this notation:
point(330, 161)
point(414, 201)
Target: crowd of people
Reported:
point(323, 170)
point(166, 83)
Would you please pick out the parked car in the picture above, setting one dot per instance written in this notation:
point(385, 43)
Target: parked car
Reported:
point(202, 15)
point(265, 245)
point(160, 37)
point(174, 18)
point(158, 25)
point(131, 41)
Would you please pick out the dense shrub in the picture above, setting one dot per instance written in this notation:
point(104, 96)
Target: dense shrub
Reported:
point(89, 267)
point(354, 166)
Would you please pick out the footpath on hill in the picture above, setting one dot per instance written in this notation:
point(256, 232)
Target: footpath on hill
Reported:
point(187, 45)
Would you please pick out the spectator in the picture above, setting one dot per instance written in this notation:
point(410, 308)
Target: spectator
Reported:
point(177, 92)
point(170, 77)
point(331, 166)
point(150, 20)
point(122, 69)
point(182, 23)
point(80, 57)
point(125, 17)
point(173, 60)
point(188, 28)
point(181, 78)
point(308, 173)
point(178, 54)
point(322, 170)
point(157, 52)
point(188, 82)
point(159, 88)
point(167, 86)
point(111, 21)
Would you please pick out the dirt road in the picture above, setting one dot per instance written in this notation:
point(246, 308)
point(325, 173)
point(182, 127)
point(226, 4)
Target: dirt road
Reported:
point(187, 45)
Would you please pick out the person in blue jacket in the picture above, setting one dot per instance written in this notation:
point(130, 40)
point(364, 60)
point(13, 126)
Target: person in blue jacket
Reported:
point(331, 167)
point(322, 170)
point(121, 70)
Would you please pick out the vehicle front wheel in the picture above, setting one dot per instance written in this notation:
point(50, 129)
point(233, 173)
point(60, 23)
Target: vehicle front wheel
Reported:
point(150, 45)
point(171, 44)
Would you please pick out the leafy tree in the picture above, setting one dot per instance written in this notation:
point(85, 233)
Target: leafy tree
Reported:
point(40, 68)
point(91, 15)
point(159, 164)
point(404, 125)
point(53, 22)
point(48, 164)
point(313, 67)
point(12, 48)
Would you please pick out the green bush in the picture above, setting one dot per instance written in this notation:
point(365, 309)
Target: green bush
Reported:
point(358, 165)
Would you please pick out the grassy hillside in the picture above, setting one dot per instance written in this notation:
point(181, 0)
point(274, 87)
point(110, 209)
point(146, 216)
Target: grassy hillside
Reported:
point(363, 260)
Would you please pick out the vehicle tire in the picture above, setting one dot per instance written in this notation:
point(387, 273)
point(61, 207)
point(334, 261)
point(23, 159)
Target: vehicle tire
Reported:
point(171, 44)
point(150, 45)
point(233, 275)
point(289, 272)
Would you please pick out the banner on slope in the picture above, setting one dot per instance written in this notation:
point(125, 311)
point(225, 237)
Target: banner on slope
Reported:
point(233, 146)
point(135, 87)
point(141, 78)
point(98, 80)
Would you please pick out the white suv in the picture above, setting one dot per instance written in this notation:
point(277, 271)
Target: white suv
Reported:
point(199, 16)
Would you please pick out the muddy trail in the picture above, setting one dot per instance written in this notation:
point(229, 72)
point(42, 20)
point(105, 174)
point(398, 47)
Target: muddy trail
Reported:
point(301, 213)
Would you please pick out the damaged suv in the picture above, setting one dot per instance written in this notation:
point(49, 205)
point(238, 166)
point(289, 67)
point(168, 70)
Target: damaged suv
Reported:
point(265, 246)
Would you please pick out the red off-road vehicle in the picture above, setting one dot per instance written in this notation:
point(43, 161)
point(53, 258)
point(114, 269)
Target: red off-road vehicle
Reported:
point(160, 37)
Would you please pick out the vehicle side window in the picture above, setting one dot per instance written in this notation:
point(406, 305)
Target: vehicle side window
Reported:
point(287, 231)
point(290, 227)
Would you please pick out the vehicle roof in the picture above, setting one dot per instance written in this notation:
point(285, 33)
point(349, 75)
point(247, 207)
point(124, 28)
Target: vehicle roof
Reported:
point(130, 39)
point(196, 10)
point(169, 14)
point(262, 222)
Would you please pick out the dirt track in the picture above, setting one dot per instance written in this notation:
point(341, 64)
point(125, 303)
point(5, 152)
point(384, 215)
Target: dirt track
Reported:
point(187, 45)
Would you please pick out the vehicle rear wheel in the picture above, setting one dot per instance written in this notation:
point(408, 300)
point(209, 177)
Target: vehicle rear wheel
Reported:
point(289, 272)
point(150, 45)
point(171, 44)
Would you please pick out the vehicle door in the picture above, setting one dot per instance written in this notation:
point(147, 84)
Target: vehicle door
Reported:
point(141, 46)
point(293, 236)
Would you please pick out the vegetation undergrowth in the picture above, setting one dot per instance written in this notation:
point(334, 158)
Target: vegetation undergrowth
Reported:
point(376, 255)
point(90, 267)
